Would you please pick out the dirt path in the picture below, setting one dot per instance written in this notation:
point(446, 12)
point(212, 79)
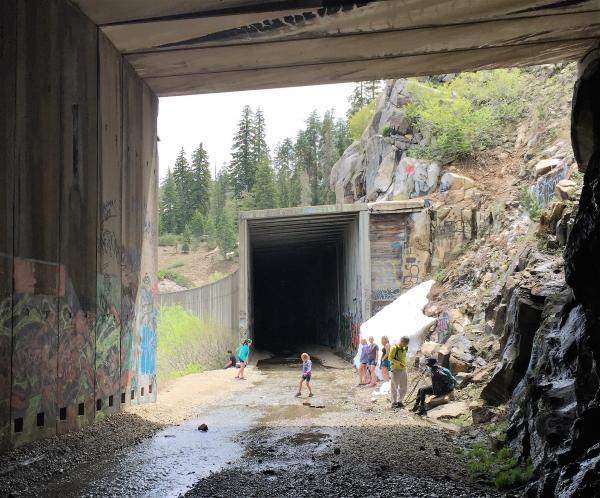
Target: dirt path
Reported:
point(261, 441)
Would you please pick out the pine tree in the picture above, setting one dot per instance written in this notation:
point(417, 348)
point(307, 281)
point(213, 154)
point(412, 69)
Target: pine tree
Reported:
point(168, 204)
point(295, 189)
point(264, 187)
point(363, 93)
point(200, 175)
point(260, 151)
point(226, 230)
point(328, 155)
point(242, 169)
point(343, 139)
point(182, 176)
point(283, 166)
point(307, 151)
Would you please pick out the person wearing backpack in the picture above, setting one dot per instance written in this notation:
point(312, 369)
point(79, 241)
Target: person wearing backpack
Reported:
point(442, 382)
point(398, 377)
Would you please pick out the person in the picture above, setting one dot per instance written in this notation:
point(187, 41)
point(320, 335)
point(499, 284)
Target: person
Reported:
point(243, 354)
point(385, 362)
point(363, 360)
point(372, 354)
point(442, 382)
point(231, 362)
point(306, 375)
point(399, 379)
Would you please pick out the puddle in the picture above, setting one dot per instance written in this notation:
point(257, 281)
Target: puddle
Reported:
point(166, 465)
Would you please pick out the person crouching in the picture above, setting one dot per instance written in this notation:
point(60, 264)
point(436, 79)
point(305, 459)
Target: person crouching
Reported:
point(442, 382)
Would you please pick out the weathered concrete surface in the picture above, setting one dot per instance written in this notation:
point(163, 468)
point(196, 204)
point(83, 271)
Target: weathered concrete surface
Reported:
point(196, 47)
point(78, 230)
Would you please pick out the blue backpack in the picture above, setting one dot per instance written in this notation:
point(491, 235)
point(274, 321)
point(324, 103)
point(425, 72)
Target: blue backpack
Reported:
point(442, 377)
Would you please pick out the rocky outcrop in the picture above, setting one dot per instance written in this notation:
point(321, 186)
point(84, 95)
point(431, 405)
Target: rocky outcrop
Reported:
point(555, 407)
point(377, 167)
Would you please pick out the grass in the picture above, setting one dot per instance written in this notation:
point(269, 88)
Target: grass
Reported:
point(216, 276)
point(175, 277)
point(531, 205)
point(462, 421)
point(500, 468)
point(188, 344)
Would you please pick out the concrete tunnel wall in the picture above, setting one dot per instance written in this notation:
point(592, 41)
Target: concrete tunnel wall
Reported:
point(314, 274)
point(78, 230)
point(300, 286)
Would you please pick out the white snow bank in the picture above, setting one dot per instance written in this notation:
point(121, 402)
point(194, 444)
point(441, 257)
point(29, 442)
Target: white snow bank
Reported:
point(402, 317)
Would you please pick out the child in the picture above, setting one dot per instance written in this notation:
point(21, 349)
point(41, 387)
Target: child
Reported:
point(306, 374)
point(232, 361)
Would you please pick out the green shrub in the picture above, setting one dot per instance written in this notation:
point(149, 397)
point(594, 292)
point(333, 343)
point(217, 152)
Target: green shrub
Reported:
point(215, 276)
point(175, 277)
point(168, 239)
point(499, 468)
point(187, 239)
point(187, 344)
point(468, 114)
point(176, 265)
point(387, 130)
point(531, 205)
point(359, 121)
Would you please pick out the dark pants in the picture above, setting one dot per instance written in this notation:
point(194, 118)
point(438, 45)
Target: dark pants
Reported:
point(421, 393)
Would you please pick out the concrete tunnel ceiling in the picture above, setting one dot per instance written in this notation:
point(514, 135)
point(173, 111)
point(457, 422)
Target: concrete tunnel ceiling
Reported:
point(200, 46)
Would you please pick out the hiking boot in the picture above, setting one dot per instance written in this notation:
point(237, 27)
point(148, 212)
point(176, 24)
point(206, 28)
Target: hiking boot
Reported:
point(395, 404)
point(399, 404)
point(310, 395)
point(298, 395)
point(422, 411)
point(415, 408)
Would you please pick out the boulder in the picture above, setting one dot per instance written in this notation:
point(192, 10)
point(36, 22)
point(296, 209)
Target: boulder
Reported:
point(430, 349)
point(453, 181)
point(565, 189)
point(449, 411)
point(458, 365)
point(414, 178)
point(459, 342)
point(383, 178)
point(443, 356)
point(545, 166)
point(433, 401)
point(463, 379)
point(552, 216)
point(523, 319)
point(480, 413)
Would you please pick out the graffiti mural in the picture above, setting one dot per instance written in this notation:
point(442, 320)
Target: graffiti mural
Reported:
point(35, 348)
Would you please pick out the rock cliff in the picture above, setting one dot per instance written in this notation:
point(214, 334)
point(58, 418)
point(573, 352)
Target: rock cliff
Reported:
point(518, 302)
point(376, 167)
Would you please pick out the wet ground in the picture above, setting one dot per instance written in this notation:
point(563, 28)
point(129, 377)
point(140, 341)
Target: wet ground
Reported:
point(261, 441)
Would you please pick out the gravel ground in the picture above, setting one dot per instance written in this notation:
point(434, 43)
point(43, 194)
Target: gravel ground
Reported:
point(261, 441)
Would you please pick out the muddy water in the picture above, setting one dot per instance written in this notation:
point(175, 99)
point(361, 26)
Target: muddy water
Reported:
point(174, 459)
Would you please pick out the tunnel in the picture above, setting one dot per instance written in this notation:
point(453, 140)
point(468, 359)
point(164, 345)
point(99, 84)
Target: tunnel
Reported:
point(302, 279)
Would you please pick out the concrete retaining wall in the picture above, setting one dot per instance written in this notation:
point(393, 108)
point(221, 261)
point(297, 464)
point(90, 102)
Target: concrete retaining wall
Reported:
point(78, 185)
point(217, 302)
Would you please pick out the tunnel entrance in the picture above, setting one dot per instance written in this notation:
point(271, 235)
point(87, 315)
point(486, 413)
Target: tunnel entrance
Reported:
point(302, 277)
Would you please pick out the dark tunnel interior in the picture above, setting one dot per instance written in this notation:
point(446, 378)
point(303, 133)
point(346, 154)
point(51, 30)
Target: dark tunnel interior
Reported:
point(295, 297)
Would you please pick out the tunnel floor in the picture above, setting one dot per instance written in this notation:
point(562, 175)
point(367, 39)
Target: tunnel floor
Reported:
point(261, 441)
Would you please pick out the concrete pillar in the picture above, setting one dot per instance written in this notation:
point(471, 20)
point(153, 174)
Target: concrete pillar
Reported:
point(244, 282)
point(365, 263)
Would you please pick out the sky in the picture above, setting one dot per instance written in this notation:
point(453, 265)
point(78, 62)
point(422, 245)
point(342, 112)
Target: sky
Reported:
point(212, 119)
